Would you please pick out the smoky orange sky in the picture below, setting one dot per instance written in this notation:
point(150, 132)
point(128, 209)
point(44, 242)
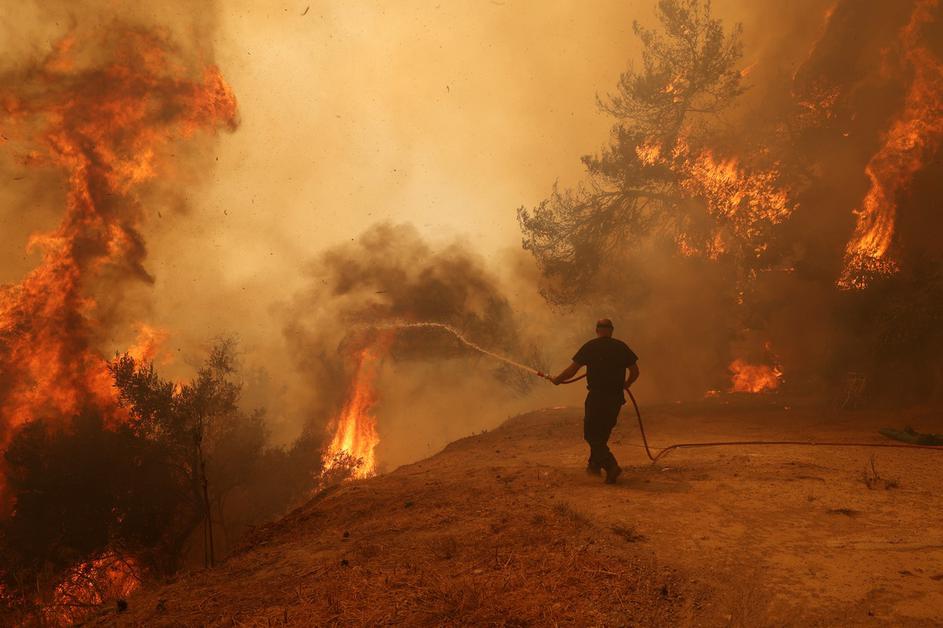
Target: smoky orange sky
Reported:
point(445, 114)
point(448, 115)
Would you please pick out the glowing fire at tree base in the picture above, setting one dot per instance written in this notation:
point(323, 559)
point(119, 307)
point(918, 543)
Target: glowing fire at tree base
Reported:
point(355, 430)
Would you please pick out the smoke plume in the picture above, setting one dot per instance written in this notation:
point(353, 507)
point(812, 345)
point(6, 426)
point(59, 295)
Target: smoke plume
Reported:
point(358, 292)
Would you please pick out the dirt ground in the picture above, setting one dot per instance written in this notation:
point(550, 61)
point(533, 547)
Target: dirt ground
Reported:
point(506, 528)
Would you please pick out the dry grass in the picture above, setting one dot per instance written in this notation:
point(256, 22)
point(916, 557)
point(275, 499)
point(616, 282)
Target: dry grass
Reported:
point(444, 548)
point(520, 576)
point(873, 480)
point(747, 604)
point(402, 566)
point(627, 533)
point(846, 512)
point(566, 512)
point(480, 543)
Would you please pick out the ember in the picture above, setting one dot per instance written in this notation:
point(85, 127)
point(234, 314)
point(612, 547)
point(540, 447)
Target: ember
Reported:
point(86, 586)
point(753, 378)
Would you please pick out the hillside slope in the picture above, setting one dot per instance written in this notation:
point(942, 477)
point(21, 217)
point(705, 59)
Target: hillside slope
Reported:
point(505, 528)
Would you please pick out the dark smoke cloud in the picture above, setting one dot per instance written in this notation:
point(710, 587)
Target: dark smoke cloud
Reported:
point(391, 274)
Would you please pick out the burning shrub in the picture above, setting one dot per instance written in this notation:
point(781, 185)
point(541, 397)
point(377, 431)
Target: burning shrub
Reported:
point(356, 312)
point(91, 584)
point(753, 378)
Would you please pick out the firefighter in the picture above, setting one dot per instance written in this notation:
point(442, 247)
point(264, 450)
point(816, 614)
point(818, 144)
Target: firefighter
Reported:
point(606, 360)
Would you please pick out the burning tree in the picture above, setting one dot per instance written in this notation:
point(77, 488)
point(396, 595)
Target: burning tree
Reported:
point(655, 176)
point(762, 235)
point(81, 482)
point(914, 135)
point(102, 112)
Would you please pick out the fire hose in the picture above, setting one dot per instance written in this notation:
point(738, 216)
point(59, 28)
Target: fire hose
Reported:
point(741, 443)
point(638, 415)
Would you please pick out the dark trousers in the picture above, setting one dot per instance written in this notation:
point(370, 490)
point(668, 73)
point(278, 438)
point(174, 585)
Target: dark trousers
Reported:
point(600, 417)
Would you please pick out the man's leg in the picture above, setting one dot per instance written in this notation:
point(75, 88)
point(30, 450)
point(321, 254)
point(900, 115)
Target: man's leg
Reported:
point(609, 413)
point(598, 422)
point(591, 435)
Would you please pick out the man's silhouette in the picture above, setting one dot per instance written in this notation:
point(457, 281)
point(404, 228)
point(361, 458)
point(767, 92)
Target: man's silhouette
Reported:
point(606, 360)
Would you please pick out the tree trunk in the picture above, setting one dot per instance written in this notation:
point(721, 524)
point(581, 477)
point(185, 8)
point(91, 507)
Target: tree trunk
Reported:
point(208, 550)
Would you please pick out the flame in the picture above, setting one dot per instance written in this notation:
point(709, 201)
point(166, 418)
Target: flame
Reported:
point(649, 153)
point(87, 586)
point(747, 201)
point(150, 344)
point(744, 202)
point(753, 378)
point(105, 128)
point(685, 247)
point(913, 135)
point(355, 428)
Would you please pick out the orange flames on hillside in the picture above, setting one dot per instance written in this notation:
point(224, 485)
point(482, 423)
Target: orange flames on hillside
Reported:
point(355, 429)
point(913, 135)
point(105, 125)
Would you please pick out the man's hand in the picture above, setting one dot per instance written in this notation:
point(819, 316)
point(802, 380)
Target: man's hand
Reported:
point(567, 373)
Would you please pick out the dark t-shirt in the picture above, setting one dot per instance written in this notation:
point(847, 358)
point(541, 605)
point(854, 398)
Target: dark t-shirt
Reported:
point(606, 360)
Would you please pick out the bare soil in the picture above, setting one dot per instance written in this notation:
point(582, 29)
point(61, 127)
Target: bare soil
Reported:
point(506, 528)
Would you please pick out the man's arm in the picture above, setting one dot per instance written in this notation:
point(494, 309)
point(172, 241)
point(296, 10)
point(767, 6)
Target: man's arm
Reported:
point(567, 373)
point(633, 375)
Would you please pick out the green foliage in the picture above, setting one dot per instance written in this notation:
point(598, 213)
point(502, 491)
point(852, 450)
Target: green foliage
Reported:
point(688, 69)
